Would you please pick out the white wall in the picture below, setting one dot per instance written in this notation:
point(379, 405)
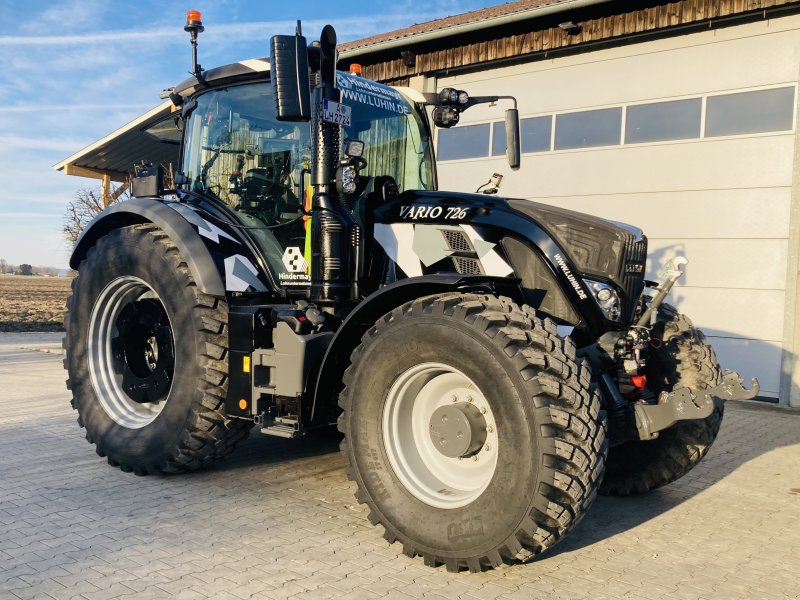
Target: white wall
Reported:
point(723, 202)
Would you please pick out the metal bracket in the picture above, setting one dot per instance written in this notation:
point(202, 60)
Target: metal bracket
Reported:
point(685, 404)
point(670, 273)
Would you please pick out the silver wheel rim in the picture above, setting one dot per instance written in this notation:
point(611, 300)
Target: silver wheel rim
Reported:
point(435, 479)
point(106, 380)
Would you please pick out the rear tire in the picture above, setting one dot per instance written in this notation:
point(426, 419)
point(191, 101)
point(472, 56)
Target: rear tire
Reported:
point(149, 404)
point(538, 434)
point(684, 360)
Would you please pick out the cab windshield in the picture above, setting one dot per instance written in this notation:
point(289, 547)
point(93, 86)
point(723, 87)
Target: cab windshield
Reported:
point(238, 153)
point(392, 130)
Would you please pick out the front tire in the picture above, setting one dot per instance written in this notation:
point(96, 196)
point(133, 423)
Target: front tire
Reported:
point(470, 431)
point(685, 359)
point(147, 357)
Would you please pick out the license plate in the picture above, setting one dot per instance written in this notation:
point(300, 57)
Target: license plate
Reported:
point(334, 112)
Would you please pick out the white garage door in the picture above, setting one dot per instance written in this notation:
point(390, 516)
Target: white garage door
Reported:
point(690, 138)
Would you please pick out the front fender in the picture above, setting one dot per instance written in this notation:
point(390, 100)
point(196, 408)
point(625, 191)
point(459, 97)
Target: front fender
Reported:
point(363, 316)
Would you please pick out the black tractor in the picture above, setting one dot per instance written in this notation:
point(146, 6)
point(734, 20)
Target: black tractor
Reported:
point(301, 270)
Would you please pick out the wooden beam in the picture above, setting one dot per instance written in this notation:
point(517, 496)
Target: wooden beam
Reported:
point(120, 190)
point(106, 190)
point(94, 173)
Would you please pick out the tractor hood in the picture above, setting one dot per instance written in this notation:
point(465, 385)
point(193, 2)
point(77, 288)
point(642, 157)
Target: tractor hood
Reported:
point(591, 247)
point(596, 246)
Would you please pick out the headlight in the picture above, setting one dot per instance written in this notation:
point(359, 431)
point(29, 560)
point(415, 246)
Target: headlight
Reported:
point(606, 297)
point(346, 179)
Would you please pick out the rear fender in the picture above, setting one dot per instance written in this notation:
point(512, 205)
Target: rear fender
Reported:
point(218, 258)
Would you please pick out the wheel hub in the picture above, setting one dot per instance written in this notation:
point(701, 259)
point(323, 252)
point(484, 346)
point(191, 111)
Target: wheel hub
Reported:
point(131, 352)
point(458, 430)
point(142, 351)
point(440, 435)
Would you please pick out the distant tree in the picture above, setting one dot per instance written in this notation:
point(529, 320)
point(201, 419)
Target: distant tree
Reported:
point(3, 266)
point(83, 208)
point(25, 269)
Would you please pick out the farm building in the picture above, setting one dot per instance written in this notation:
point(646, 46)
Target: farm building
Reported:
point(677, 117)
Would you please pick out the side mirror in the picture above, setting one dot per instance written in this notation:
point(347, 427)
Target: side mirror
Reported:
point(288, 58)
point(450, 103)
point(512, 138)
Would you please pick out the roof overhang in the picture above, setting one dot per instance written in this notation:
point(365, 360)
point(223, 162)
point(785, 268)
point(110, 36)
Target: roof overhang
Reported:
point(354, 49)
point(114, 155)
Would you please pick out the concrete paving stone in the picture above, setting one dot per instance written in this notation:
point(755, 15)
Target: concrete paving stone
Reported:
point(45, 575)
point(74, 591)
point(320, 593)
point(397, 595)
point(218, 586)
point(144, 582)
point(531, 592)
point(491, 590)
point(252, 589)
point(284, 591)
point(32, 592)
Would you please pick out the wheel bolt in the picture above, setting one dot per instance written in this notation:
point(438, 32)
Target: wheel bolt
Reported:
point(487, 447)
point(483, 410)
point(475, 458)
point(470, 399)
point(490, 429)
point(454, 398)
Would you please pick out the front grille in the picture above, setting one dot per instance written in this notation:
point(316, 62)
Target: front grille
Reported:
point(635, 252)
point(468, 266)
point(457, 240)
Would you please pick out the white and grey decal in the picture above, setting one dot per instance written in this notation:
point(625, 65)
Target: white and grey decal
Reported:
point(204, 228)
point(413, 245)
point(241, 274)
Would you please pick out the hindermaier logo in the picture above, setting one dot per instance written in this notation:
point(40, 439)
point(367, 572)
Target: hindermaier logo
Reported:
point(343, 81)
point(294, 261)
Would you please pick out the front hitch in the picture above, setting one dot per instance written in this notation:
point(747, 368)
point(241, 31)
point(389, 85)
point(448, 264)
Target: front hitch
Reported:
point(685, 404)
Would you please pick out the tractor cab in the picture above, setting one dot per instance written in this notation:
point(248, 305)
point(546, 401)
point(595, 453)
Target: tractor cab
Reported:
point(236, 153)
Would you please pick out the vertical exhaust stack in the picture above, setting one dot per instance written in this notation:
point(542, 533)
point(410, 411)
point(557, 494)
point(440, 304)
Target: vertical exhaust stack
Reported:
point(334, 234)
point(333, 231)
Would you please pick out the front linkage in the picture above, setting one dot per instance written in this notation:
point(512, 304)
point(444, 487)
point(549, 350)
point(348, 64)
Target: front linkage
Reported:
point(644, 418)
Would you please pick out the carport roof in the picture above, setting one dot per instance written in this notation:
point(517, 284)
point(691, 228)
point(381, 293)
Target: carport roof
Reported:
point(114, 154)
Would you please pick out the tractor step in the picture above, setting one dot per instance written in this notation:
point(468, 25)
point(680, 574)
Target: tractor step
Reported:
point(285, 427)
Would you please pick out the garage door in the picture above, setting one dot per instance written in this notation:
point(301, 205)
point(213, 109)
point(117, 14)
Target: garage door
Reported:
point(690, 138)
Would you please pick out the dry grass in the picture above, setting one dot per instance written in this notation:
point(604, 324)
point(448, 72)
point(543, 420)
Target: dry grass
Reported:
point(33, 303)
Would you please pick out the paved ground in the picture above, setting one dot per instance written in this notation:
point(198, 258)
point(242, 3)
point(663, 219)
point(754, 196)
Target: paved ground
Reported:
point(278, 520)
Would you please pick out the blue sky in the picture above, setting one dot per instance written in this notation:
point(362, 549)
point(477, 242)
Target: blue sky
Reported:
point(72, 71)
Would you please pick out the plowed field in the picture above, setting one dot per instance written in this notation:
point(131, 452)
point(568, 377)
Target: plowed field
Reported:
point(33, 303)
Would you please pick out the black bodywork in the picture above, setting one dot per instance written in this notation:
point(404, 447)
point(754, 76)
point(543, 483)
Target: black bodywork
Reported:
point(528, 235)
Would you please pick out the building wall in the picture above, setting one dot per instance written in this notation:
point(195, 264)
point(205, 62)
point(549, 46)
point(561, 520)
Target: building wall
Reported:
point(724, 202)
